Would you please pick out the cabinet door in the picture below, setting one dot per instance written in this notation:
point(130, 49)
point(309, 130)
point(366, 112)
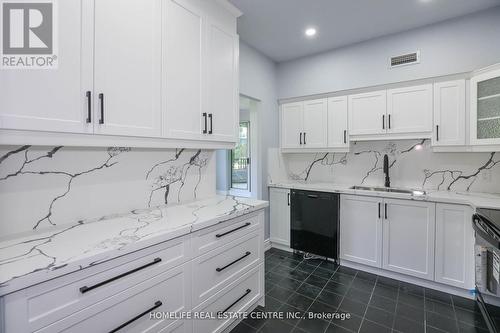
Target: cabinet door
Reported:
point(128, 67)
point(367, 113)
point(315, 124)
point(183, 45)
point(409, 237)
point(449, 113)
point(279, 206)
point(337, 122)
point(485, 108)
point(291, 125)
point(54, 99)
point(361, 230)
point(454, 246)
point(409, 110)
point(222, 84)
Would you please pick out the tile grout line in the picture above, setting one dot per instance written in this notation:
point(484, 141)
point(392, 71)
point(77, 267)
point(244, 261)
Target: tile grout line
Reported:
point(367, 304)
point(343, 296)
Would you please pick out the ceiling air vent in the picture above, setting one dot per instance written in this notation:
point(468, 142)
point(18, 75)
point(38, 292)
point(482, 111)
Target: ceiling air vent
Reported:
point(405, 59)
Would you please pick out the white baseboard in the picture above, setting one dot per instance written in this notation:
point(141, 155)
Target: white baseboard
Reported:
point(409, 279)
point(267, 244)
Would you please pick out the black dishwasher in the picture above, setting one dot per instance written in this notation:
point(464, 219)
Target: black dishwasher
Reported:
point(315, 222)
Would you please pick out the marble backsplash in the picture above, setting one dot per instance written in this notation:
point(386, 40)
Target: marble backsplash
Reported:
point(42, 187)
point(412, 164)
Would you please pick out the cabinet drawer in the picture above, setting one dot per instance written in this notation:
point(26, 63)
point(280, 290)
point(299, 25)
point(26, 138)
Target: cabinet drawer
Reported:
point(212, 271)
point(51, 301)
point(130, 310)
point(236, 297)
point(211, 238)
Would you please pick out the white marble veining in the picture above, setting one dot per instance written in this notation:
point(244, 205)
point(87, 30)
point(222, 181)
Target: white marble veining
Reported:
point(475, 200)
point(37, 256)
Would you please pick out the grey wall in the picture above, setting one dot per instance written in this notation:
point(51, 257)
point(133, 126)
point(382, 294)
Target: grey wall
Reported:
point(450, 47)
point(258, 81)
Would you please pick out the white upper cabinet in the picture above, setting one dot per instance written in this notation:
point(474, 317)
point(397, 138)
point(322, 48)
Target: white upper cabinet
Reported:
point(183, 49)
point(409, 110)
point(338, 136)
point(485, 108)
point(128, 67)
point(222, 83)
point(449, 114)
point(408, 238)
point(55, 99)
point(304, 124)
point(367, 113)
point(315, 124)
point(291, 125)
point(132, 68)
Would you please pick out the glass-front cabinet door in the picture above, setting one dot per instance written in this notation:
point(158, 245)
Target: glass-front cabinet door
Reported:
point(485, 108)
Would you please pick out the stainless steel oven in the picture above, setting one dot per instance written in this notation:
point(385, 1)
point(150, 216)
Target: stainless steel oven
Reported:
point(486, 223)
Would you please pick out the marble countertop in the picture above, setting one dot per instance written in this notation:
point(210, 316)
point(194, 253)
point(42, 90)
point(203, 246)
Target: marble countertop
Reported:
point(35, 257)
point(476, 200)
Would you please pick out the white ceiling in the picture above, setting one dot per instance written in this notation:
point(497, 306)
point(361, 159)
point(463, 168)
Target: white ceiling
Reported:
point(276, 27)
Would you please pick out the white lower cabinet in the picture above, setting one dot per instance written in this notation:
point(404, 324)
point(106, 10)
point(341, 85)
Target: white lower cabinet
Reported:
point(408, 239)
point(427, 240)
point(361, 230)
point(454, 246)
point(237, 296)
point(279, 216)
point(123, 294)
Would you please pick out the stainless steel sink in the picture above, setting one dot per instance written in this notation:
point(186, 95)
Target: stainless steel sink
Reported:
point(389, 190)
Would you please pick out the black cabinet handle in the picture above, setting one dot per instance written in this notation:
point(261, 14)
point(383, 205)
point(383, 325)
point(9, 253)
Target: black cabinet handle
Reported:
point(300, 137)
point(389, 121)
point(379, 210)
point(437, 132)
point(211, 124)
point(157, 305)
point(101, 99)
point(85, 289)
point(304, 137)
point(220, 269)
point(231, 231)
point(248, 291)
point(345, 136)
point(385, 209)
point(204, 114)
point(288, 198)
point(89, 106)
point(383, 121)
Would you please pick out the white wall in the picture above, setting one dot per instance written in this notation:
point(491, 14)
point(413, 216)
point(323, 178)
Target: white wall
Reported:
point(450, 47)
point(258, 81)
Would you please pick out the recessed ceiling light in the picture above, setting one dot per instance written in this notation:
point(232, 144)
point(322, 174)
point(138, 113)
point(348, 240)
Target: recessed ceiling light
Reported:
point(310, 32)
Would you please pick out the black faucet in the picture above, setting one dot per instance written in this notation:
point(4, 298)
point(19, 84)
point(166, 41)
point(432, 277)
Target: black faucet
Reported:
point(386, 171)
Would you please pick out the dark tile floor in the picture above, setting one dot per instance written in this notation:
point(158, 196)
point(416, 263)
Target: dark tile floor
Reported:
point(376, 303)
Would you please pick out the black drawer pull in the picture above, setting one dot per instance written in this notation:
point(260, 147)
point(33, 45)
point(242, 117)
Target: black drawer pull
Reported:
point(288, 198)
point(101, 99)
point(89, 106)
point(157, 305)
point(379, 210)
point(437, 132)
point(204, 114)
point(231, 231)
point(389, 121)
point(304, 137)
point(300, 138)
point(345, 136)
point(85, 289)
point(210, 116)
point(232, 304)
point(220, 269)
point(385, 208)
point(383, 122)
